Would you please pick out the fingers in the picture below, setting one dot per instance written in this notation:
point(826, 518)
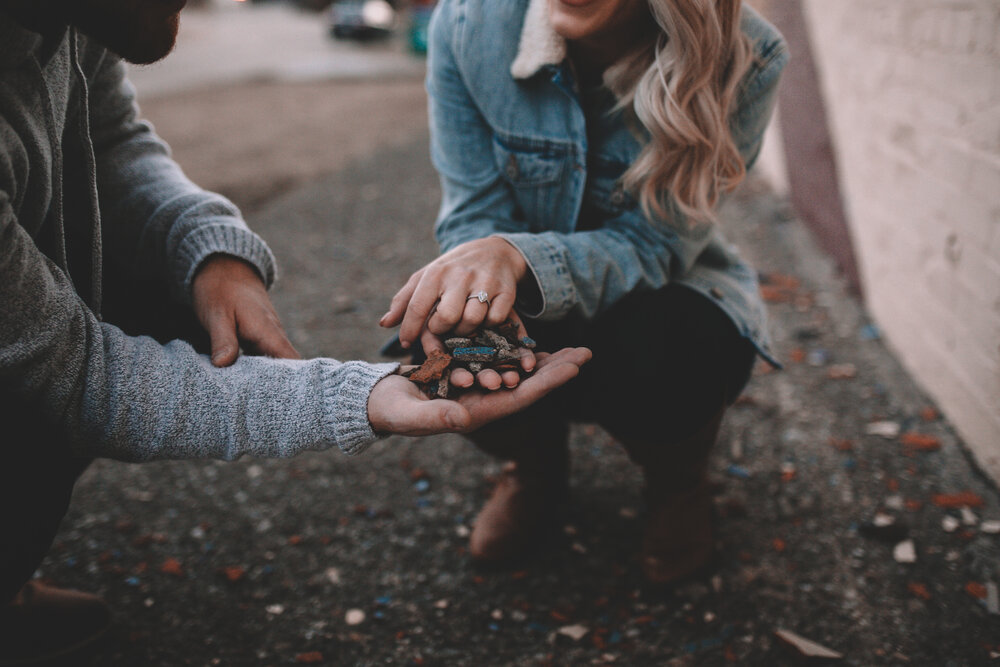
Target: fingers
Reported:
point(489, 379)
point(221, 327)
point(395, 405)
point(501, 307)
point(430, 342)
point(421, 304)
point(510, 379)
point(553, 371)
point(462, 378)
point(451, 309)
point(399, 302)
point(528, 359)
point(266, 335)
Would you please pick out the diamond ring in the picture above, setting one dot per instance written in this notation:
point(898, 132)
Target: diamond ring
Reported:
point(481, 295)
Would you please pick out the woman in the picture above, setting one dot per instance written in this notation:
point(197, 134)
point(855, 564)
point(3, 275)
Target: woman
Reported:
point(582, 147)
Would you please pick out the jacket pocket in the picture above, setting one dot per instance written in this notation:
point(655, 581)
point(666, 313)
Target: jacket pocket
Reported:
point(527, 163)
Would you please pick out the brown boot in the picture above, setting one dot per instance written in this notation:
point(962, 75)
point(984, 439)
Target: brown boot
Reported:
point(524, 508)
point(679, 540)
point(44, 625)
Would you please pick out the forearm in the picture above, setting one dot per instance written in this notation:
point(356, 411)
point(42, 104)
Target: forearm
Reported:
point(131, 398)
point(168, 402)
point(590, 271)
point(156, 222)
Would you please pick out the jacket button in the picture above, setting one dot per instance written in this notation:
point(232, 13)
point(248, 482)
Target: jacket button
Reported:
point(716, 292)
point(618, 196)
point(511, 170)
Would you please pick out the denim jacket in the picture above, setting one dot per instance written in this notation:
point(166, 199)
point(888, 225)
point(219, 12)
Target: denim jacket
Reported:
point(523, 155)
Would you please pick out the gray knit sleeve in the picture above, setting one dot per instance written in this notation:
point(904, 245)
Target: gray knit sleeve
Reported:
point(156, 222)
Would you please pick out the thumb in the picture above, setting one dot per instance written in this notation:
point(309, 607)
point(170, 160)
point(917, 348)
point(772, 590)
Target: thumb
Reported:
point(221, 326)
point(440, 416)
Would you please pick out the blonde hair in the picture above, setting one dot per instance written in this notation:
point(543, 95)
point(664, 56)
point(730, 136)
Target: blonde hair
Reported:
point(681, 88)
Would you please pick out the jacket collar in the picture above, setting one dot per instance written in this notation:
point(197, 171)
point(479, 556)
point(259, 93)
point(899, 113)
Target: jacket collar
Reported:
point(540, 45)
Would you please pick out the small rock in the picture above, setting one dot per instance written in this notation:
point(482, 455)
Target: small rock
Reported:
point(333, 575)
point(354, 617)
point(949, 523)
point(807, 647)
point(969, 517)
point(991, 527)
point(574, 632)
point(905, 552)
point(275, 609)
point(841, 371)
point(886, 429)
point(895, 503)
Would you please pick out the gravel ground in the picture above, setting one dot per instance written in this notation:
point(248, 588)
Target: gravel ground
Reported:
point(325, 559)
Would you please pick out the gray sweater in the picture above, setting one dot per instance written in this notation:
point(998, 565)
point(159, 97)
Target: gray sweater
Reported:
point(81, 178)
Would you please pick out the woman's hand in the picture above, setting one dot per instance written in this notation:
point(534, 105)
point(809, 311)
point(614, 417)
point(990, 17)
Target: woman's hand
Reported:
point(436, 301)
point(397, 406)
point(438, 294)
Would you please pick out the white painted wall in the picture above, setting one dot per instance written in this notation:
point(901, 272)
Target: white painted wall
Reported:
point(912, 89)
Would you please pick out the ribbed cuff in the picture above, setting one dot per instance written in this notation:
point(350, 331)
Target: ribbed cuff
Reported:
point(345, 392)
point(548, 264)
point(215, 238)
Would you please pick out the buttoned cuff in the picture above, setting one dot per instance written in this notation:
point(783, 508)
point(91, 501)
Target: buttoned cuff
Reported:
point(548, 264)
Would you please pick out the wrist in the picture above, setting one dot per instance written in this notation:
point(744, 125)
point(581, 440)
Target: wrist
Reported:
point(512, 257)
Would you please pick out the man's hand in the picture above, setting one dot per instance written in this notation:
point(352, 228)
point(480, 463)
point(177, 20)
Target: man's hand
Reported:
point(231, 302)
point(397, 406)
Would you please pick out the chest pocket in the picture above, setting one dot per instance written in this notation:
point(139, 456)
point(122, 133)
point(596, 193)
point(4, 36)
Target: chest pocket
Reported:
point(528, 163)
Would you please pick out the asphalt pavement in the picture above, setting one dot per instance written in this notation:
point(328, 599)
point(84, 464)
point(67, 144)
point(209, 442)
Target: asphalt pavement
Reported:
point(849, 512)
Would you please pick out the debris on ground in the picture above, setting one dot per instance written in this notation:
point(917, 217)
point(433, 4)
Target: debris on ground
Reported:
point(807, 647)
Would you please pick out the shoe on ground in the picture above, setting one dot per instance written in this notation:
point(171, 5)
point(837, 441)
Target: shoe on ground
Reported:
point(45, 625)
point(679, 542)
point(523, 510)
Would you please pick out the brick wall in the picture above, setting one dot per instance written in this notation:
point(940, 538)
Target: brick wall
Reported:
point(912, 91)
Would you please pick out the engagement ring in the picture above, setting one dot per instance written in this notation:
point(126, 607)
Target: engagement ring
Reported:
point(481, 295)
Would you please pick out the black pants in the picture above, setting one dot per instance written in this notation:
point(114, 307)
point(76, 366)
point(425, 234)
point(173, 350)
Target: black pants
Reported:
point(666, 363)
point(37, 470)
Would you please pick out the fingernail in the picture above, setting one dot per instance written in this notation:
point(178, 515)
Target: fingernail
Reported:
point(383, 319)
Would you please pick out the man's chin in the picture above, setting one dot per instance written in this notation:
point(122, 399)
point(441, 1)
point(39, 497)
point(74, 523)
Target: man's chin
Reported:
point(139, 40)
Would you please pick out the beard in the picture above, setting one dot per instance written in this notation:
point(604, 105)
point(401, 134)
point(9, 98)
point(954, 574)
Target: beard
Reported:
point(140, 31)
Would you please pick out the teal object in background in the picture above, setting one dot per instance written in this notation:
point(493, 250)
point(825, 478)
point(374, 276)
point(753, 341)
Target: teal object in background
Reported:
point(420, 17)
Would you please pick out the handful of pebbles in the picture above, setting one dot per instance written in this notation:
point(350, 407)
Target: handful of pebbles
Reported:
point(498, 348)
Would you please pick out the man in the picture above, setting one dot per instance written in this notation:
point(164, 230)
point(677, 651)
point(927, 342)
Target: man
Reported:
point(104, 243)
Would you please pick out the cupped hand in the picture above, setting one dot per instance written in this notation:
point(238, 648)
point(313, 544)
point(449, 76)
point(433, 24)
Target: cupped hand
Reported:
point(437, 296)
point(397, 406)
point(231, 302)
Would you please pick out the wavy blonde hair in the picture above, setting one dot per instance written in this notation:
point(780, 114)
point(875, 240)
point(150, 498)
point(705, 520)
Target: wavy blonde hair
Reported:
point(681, 87)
